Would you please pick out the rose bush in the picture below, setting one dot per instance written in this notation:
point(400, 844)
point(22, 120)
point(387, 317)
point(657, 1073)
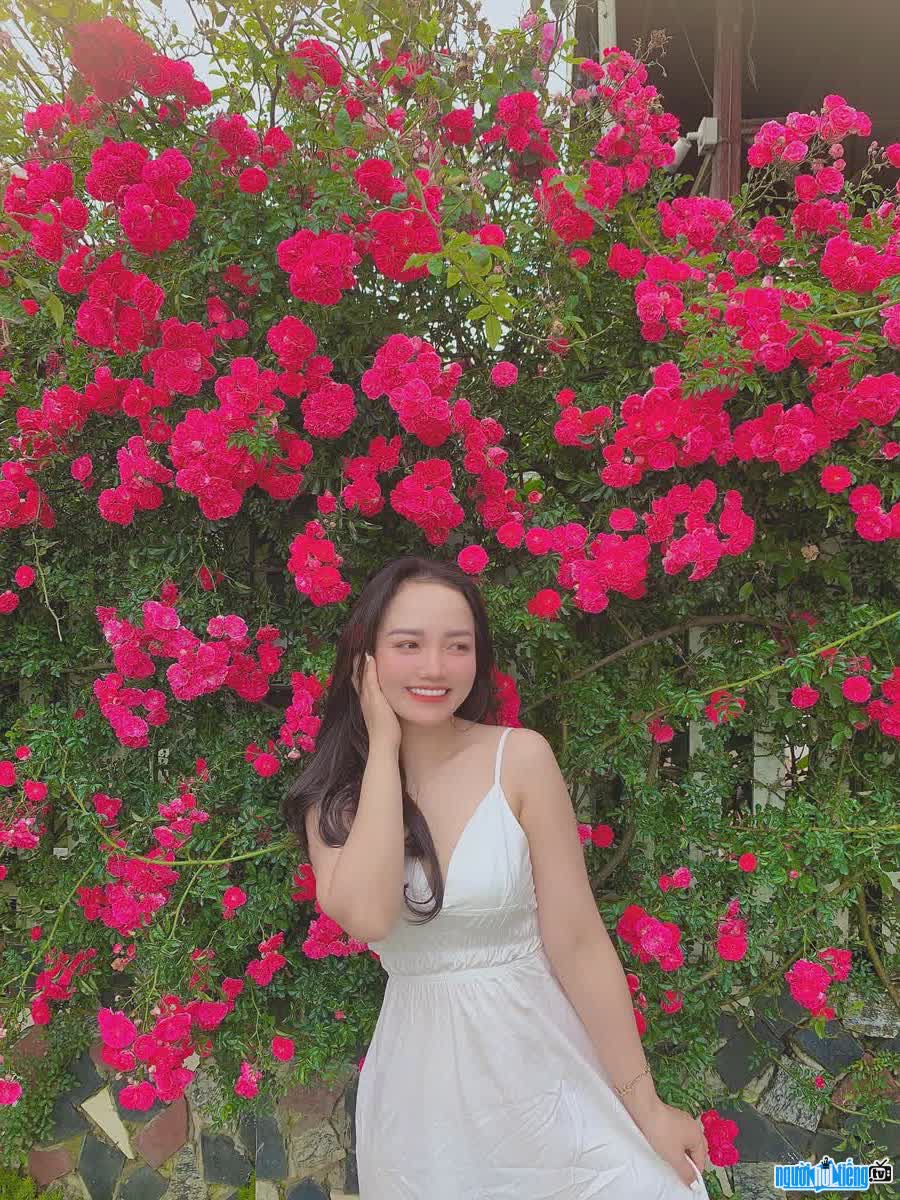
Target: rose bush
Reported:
point(261, 336)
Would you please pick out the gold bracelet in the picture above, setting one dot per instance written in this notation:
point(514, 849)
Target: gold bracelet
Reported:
point(628, 1086)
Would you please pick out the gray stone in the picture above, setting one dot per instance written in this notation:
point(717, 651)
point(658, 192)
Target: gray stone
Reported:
point(246, 1133)
point(754, 1181)
point(351, 1176)
point(783, 1101)
point(801, 1139)
point(88, 1079)
point(769, 1011)
point(271, 1159)
point(881, 1132)
point(143, 1184)
point(207, 1098)
point(877, 1019)
point(758, 1140)
point(100, 1166)
point(789, 1009)
point(66, 1121)
point(185, 1182)
point(313, 1149)
point(834, 1053)
point(307, 1189)
point(742, 1058)
point(827, 1142)
point(222, 1161)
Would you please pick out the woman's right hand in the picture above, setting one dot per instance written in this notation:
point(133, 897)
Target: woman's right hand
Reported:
point(381, 720)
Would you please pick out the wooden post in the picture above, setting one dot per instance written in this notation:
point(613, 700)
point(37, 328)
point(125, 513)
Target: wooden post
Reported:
point(726, 165)
point(606, 26)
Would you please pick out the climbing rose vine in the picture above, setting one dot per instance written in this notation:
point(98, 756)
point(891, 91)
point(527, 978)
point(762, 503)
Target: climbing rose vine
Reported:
point(260, 336)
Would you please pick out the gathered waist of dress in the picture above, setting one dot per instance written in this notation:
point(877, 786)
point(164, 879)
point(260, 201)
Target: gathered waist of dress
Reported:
point(418, 968)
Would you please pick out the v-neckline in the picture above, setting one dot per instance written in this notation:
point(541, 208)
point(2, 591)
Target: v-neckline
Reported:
point(465, 829)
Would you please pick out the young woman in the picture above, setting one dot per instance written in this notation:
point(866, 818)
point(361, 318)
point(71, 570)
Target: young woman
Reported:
point(506, 1063)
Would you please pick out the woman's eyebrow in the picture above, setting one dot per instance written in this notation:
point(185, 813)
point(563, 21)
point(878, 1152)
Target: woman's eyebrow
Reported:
point(421, 632)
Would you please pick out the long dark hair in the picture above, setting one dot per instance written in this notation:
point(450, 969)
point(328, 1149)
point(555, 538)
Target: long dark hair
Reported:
point(333, 778)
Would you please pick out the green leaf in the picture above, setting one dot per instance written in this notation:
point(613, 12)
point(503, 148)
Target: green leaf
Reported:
point(9, 308)
point(426, 32)
point(342, 125)
point(492, 330)
point(435, 265)
point(55, 308)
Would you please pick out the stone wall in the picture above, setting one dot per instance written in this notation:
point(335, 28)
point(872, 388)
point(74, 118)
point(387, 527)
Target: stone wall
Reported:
point(97, 1150)
point(304, 1150)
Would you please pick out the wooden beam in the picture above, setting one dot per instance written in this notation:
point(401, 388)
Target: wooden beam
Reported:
point(725, 181)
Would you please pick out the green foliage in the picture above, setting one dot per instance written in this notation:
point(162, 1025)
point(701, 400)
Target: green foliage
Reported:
point(16, 1187)
point(826, 845)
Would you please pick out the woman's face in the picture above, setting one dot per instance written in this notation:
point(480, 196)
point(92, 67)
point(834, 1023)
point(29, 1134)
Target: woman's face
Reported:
point(426, 639)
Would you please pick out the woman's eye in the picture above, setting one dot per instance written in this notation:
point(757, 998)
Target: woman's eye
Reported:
point(457, 645)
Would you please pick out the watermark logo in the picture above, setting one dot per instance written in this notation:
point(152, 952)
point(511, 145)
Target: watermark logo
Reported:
point(846, 1176)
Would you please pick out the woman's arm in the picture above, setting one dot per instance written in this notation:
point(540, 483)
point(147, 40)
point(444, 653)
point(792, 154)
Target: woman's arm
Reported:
point(574, 935)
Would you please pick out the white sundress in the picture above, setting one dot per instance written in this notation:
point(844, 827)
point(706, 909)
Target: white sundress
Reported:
point(481, 1081)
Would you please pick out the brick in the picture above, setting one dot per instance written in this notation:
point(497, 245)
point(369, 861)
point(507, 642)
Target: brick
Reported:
point(312, 1104)
point(32, 1044)
point(164, 1135)
point(46, 1165)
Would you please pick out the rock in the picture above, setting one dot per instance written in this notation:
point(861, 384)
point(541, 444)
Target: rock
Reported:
point(143, 1184)
point(185, 1182)
point(307, 1189)
point(207, 1098)
point(44, 1166)
point(758, 1140)
point(270, 1157)
point(88, 1079)
point(222, 1161)
point(66, 1121)
point(313, 1149)
point(165, 1134)
point(100, 1166)
point(783, 1102)
point(102, 1111)
point(877, 1018)
point(742, 1058)
point(835, 1053)
point(755, 1181)
point(32, 1044)
point(309, 1106)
